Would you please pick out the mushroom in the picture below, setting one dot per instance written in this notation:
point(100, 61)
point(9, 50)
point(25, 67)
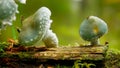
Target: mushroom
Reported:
point(8, 9)
point(37, 28)
point(92, 28)
point(50, 39)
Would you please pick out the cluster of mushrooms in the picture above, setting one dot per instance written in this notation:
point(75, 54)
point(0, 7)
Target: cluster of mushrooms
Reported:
point(36, 27)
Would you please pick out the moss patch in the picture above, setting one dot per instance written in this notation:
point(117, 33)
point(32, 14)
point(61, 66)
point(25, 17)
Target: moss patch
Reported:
point(112, 59)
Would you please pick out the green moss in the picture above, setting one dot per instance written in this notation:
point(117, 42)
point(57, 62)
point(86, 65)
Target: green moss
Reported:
point(61, 66)
point(112, 59)
point(3, 55)
point(3, 45)
point(24, 55)
point(80, 64)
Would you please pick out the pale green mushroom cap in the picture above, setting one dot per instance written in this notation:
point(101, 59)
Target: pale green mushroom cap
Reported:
point(92, 28)
point(8, 9)
point(34, 27)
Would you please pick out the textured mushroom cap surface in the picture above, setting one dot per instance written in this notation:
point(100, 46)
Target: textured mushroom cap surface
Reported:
point(35, 26)
point(50, 39)
point(93, 28)
point(8, 8)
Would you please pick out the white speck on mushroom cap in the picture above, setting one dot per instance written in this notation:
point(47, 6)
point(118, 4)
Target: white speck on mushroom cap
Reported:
point(43, 13)
point(31, 39)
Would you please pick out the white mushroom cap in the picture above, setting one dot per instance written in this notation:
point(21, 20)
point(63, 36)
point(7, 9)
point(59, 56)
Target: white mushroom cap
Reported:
point(50, 39)
point(34, 27)
point(8, 9)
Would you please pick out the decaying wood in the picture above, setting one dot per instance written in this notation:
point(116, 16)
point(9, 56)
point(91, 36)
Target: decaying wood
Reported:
point(73, 53)
point(35, 57)
point(60, 53)
point(42, 57)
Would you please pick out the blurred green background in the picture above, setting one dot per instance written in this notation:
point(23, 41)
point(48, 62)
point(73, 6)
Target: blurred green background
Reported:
point(67, 16)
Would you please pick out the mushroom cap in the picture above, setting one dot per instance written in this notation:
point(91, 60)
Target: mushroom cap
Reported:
point(92, 28)
point(50, 39)
point(8, 8)
point(35, 26)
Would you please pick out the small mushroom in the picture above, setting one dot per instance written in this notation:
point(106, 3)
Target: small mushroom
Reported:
point(36, 28)
point(92, 28)
point(50, 39)
point(8, 9)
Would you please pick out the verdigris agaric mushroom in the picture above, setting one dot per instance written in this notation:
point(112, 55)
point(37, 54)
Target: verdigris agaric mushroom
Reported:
point(36, 28)
point(92, 28)
point(8, 9)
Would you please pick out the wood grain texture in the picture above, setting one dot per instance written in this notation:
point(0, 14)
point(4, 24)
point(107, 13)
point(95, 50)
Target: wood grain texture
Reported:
point(60, 53)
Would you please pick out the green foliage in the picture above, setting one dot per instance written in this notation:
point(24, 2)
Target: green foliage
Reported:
point(24, 55)
point(79, 64)
point(61, 66)
point(1, 48)
point(3, 45)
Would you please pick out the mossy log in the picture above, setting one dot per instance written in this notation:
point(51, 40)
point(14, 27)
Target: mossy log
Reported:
point(72, 53)
point(54, 56)
point(60, 53)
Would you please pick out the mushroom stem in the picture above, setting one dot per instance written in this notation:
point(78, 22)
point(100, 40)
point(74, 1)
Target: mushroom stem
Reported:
point(50, 39)
point(94, 42)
